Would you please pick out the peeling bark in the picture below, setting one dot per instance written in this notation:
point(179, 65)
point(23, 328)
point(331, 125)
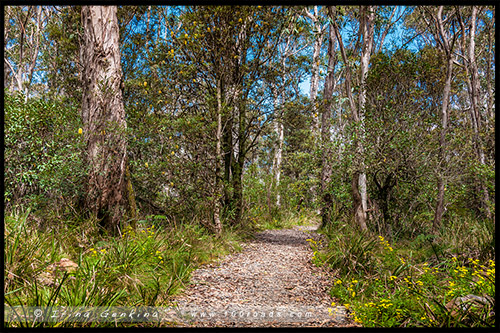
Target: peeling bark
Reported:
point(103, 117)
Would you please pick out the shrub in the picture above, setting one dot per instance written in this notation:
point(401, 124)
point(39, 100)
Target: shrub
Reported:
point(43, 162)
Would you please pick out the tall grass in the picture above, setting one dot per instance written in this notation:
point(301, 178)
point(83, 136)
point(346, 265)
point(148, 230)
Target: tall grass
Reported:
point(71, 264)
point(443, 280)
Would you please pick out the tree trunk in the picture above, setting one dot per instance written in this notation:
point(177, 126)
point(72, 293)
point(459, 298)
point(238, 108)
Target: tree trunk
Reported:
point(279, 100)
point(227, 148)
point(443, 40)
point(368, 32)
point(358, 183)
point(218, 177)
point(359, 216)
point(356, 203)
point(238, 167)
point(326, 168)
point(438, 216)
point(277, 159)
point(490, 114)
point(237, 200)
point(103, 114)
point(28, 39)
point(313, 92)
point(34, 56)
point(6, 64)
point(474, 92)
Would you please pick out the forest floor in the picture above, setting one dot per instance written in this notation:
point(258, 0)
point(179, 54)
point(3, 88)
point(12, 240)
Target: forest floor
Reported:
point(270, 283)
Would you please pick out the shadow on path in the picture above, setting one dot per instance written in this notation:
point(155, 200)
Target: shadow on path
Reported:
point(283, 238)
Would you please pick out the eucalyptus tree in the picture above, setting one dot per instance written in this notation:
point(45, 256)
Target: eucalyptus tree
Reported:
point(318, 29)
point(468, 25)
point(288, 63)
point(445, 32)
point(357, 106)
point(103, 114)
point(206, 81)
point(23, 37)
point(330, 83)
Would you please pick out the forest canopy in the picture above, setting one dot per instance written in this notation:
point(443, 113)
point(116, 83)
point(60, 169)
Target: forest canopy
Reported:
point(240, 109)
point(378, 118)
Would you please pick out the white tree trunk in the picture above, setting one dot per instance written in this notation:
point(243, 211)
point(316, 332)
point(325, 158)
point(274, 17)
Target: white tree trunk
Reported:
point(474, 92)
point(279, 153)
point(367, 26)
point(218, 163)
point(313, 92)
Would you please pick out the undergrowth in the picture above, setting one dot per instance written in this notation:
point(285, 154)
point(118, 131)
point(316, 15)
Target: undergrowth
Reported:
point(283, 220)
point(447, 280)
point(71, 264)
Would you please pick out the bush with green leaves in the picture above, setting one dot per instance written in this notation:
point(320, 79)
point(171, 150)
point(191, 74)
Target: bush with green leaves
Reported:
point(43, 152)
point(434, 280)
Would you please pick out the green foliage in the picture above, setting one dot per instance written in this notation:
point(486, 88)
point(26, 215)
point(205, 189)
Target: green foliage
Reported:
point(61, 57)
point(145, 266)
point(174, 61)
point(43, 161)
point(350, 251)
point(428, 282)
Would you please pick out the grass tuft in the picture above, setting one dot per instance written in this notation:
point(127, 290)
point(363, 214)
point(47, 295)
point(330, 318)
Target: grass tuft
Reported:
point(61, 265)
point(445, 280)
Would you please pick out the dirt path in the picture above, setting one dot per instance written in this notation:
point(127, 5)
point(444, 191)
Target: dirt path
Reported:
point(271, 282)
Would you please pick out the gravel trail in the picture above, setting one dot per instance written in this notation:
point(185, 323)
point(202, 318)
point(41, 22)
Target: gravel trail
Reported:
point(270, 283)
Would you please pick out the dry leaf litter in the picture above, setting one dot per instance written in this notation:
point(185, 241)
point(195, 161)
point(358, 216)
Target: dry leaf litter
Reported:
point(270, 283)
